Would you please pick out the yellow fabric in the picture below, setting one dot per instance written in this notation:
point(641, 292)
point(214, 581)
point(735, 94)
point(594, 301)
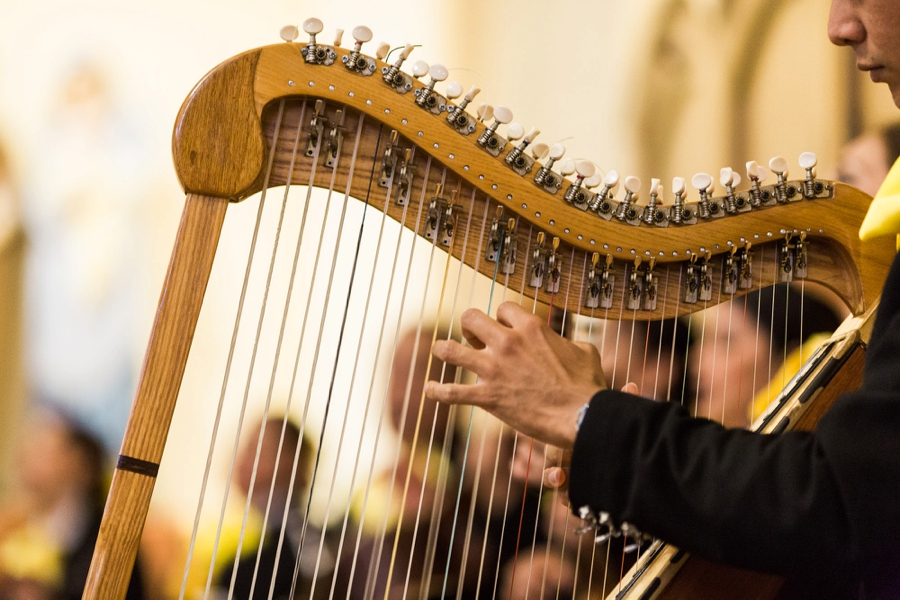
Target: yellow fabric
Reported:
point(791, 367)
point(28, 553)
point(883, 217)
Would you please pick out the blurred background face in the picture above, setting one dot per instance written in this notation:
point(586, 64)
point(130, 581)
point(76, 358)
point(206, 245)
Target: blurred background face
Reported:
point(729, 365)
point(51, 464)
point(267, 471)
point(864, 163)
point(410, 367)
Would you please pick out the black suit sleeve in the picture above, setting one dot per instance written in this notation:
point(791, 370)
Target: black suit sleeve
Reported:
point(769, 503)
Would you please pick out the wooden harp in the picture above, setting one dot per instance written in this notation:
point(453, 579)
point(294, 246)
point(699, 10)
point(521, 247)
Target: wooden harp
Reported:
point(336, 119)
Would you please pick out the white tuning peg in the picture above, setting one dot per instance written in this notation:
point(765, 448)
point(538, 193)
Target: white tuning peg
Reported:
point(701, 182)
point(736, 181)
point(438, 72)
point(338, 36)
point(470, 95)
point(678, 186)
point(419, 68)
point(660, 188)
point(585, 169)
point(610, 185)
point(762, 173)
point(556, 152)
point(514, 131)
point(503, 115)
point(532, 133)
point(361, 34)
point(808, 160)
point(632, 185)
point(540, 150)
point(567, 167)
point(382, 51)
point(726, 176)
point(404, 54)
point(484, 112)
point(654, 187)
point(779, 166)
point(594, 180)
point(453, 90)
point(313, 26)
point(289, 33)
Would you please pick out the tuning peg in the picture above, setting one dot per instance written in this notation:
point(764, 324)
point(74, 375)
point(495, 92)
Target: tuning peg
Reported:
point(584, 169)
point(457, 117)
point(553, 154)
point(289, 33)
point(502, 115)
point(382, 51)
point(703, 183)
point(726, 177)
point(678, 191)
point(338, 35)
point(484, 112)
point(453, 90)
point(610, 185)
point(808, 162)
point(437, 72)
point(594, 180)
point(419, 69)
point(632, 190)
point(651, 216)
point(540, 150)
point(361, 34)
point(567, 167)
point(779, 166)
point(514, 131)
point(756, 174)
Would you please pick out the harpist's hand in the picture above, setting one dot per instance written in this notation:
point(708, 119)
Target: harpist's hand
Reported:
point(528, 376)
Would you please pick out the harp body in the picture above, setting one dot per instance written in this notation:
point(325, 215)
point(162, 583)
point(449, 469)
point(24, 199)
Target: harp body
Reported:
point(226, 135)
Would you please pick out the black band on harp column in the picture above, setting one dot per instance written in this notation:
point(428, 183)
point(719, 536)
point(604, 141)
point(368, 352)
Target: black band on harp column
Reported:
point(136, 465)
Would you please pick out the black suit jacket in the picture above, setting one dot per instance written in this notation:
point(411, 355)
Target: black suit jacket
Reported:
point(823, 506)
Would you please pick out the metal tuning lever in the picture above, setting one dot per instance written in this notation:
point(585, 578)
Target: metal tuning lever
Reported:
point(602, 204)
point(517, 160)
point(426, 97)
point(600, 284)
point(545, 262)
point(457, 116)
point(355, 61)
point(627, 211)
point(545, 177)
point(577, 195)
point(313, 53)
point(489, 140)
point(653, 214)
point(394, 77)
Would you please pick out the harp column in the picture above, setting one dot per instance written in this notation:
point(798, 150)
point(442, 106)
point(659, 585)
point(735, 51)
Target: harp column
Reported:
point(154, 403)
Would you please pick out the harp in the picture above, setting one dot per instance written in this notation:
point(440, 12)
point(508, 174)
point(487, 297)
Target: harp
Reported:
point(323, 116)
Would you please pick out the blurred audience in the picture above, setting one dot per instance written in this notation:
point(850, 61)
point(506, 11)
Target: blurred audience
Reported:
point(49, 527)
point(865, 160)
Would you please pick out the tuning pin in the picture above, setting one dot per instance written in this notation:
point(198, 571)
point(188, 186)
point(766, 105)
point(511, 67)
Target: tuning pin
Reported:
point(756, 177)
point(556, 152)
point(419, 69)
point(540, 150)
point(453, 90)
point(502, 116)
point(651, 215)
point(338, 36)
point(808, 162)
point(553, 154)
point(361, 34)
point(726, 177)
point(632, 189)
point(703, 183)
point(514, 131)
point(484, 112)
point(567, 167)
point(437, 72)
point(678, 191)
point(584, 169)
point(610, 185)
point(594, 180)
point(779, 166)
point(289, 33)
point(455, 117)
point(382, 51)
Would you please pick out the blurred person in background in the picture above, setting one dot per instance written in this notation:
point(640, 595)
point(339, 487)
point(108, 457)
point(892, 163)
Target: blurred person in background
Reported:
point(865, 160)
point(48, 528)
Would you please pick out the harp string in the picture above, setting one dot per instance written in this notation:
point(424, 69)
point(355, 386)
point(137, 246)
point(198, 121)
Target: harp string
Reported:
point(196, 525)
point(403, 416)
point(340, 340)
point(271, 380)
point(380, 420)
point(353, 376)
point(444, 472)
point(316, 354)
